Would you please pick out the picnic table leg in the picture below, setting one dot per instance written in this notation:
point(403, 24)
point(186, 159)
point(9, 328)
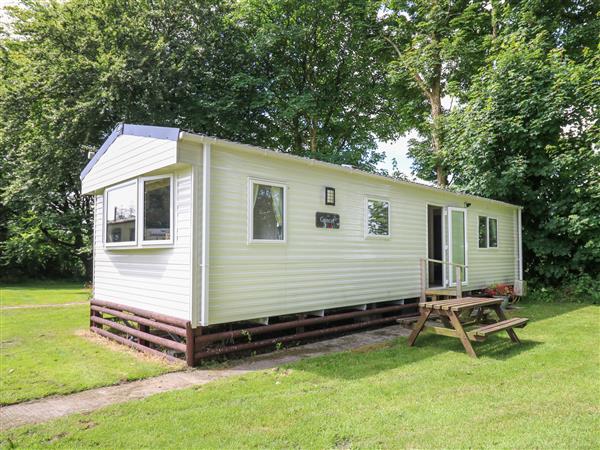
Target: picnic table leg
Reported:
point(510, 331)
point(418, 326)
point(460, 332)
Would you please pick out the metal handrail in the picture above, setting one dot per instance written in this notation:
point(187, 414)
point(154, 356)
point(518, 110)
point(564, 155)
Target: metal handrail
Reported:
point(445, 262)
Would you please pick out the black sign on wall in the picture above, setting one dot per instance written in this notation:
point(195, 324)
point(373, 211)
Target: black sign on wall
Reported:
point(327, 220)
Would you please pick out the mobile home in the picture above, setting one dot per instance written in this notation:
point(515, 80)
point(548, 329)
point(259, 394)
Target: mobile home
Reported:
point(192, 231)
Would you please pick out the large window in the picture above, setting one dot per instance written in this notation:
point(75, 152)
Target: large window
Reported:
point(267, 212)
point(157, 209)
point(152, 204)
point(121, 214)
point(488, 232)
point(378, 218)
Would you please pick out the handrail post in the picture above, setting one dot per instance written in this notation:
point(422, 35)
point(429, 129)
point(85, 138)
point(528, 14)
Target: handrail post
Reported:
point(458, 282)
point(422, 266)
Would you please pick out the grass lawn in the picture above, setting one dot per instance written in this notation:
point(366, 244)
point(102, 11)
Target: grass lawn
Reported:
point(42, 293)
point(43, 350)
point(543, 394)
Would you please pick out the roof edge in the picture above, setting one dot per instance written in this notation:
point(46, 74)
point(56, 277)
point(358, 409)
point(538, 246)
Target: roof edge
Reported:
point(166, 133)
point(202, 138)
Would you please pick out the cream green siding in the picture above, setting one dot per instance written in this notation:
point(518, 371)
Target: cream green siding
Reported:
point(128, 157)
point(230, 278)
point(325, 268)
point(155, 279)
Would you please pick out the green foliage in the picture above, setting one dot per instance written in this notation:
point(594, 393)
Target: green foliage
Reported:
point(526, 135)
point(301, 77)
point(437, 46)
point(583, 289)
point(321, 66)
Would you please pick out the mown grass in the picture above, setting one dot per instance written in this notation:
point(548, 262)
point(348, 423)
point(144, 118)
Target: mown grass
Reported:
point(542, 394)
point(45, 351)
point(43, 293)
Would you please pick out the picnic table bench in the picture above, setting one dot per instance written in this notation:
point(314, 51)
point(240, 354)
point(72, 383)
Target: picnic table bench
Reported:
point(450, 313)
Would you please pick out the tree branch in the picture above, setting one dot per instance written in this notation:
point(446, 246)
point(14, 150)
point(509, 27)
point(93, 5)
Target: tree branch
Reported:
point(419, 80)
point(55, 240)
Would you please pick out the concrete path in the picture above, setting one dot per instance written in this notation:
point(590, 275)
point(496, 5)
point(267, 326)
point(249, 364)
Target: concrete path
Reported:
point(53, 305)
point(43, 410)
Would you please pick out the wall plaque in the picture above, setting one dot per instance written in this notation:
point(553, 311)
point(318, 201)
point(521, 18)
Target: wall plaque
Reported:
point(328, 220)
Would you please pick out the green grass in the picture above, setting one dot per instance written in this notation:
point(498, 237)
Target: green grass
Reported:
point(542, 394)
point(44, 351)
point(43, 293)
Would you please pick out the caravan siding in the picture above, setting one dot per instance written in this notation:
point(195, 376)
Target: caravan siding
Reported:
point(155, 279)
point(325, 268)
point(128, 157)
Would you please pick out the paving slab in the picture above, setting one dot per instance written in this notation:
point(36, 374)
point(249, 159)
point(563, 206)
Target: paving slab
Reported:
point(38, 411)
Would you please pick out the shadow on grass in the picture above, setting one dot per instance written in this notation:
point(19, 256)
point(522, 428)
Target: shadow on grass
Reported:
point(354, 365)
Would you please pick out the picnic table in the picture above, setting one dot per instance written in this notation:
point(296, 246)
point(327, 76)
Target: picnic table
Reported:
point(456, 314)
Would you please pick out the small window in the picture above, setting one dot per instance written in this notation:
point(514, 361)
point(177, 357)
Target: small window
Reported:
point(493, 232)
point(483, 232)
point(378, 218)
point(267, 212)
point(488, 232)
point(157, 209)
point(121, 213)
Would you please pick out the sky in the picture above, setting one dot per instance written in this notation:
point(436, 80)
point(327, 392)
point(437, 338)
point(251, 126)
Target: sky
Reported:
point(396, 149)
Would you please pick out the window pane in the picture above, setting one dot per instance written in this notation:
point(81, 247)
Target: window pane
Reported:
point(378, 218)
point(483, 232)
point(267, 212)
point(458, 241)
point(121, 213)
point(157, 209)
point(493, 233)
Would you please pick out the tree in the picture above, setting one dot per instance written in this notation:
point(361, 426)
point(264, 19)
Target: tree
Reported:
point(321, 66)
point(70, 71)
point(526, 134)
point(299, 77)
point(438, 46)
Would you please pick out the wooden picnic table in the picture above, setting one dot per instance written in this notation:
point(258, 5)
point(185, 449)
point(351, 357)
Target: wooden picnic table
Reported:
point(450, 313)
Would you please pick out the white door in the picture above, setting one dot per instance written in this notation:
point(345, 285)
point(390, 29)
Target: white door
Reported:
point(457, 243)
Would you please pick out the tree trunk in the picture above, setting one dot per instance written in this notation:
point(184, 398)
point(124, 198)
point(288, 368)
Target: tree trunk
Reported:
point(313, 135)
point(437, 113)
point(88, 266)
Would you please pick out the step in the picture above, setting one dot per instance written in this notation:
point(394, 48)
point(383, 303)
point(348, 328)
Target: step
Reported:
point(441, 291)
point(483, 332)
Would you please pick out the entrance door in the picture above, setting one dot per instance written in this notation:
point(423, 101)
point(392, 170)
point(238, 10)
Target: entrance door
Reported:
point(435, 245)
point(457, 245)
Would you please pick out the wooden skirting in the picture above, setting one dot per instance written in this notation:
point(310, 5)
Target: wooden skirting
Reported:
point(175, 339)
point(149, 332)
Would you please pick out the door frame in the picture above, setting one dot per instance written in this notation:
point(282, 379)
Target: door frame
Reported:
point(451, 280)
point(445, 279)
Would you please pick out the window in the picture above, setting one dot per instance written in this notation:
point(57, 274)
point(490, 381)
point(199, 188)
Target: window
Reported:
point(488, 232)
point(493, 232)
point(378, 218)
point(157, 209)
point(483, 232)
point(121, 214)
point(267, 212)
point(152, 203)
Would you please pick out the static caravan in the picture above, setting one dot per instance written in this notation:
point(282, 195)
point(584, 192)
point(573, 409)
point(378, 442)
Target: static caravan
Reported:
point(199, 240)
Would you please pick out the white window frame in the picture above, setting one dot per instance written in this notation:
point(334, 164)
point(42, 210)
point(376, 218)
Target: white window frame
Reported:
point(127, 244)
point(163, 242)
point(487, 225)
point(250, 211)
point(368, 235)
